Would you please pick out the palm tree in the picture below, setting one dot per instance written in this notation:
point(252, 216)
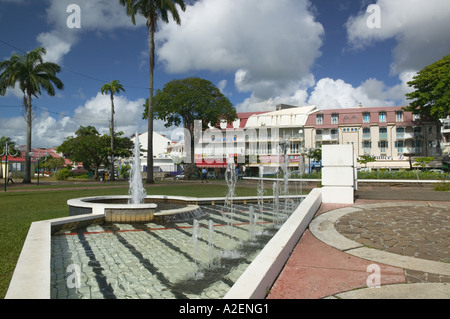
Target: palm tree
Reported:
point(112, 88)
point(152, 10)
point(32, 74)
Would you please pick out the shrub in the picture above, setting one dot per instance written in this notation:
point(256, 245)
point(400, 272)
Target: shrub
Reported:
point(79, 172)
point(63, 174)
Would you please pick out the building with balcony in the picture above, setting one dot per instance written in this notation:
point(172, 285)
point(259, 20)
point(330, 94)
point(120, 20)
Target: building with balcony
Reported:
point(390, 134)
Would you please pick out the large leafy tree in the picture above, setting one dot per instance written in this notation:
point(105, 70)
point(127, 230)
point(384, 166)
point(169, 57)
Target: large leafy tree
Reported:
point(32, 74)
point(84, 147)
point(152, 10)
point(92, 149)
point(431, 97)
point(182, 102)
point(112, 88)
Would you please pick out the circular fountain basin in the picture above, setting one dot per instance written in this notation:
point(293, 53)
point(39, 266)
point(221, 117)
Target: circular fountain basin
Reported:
point(117, 210)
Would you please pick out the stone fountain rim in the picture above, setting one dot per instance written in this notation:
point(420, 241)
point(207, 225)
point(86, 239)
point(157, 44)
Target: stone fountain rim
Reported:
point(86, 203)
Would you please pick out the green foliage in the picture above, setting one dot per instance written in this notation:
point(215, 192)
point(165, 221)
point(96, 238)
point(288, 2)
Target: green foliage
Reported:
point(423, 161)
point(184, 101)
point(51, 163)
point(431, 97)
point(364, 159)
point(63, 174)
point(32, 74)
point(402, 174)
point(124, 171)
point(315, 154)
point(442, 186)
point(92, 149)
point(112, 88)
point(152, 10)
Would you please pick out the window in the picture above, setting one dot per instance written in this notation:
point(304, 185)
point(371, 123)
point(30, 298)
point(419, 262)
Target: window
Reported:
point(382, 117)
point(400, 132)
point(366, 133)
point(383, 145)
point(366, 117)
point(334, 134)
point(366, 145)
point(399, 116)
point(334, 118)
point(400, 146)
point(418, 132)
point(383, 133)
point(319, 119)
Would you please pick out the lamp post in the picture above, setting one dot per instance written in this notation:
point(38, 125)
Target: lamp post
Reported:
point(6, 152)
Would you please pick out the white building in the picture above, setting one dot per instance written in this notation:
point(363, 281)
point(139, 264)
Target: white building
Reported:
point(162, 161)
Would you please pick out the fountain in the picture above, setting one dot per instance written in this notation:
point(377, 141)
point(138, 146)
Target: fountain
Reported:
point(261, 188)
point(186, 248)
point(137, 207)
point(230, 178)
point(137, 190)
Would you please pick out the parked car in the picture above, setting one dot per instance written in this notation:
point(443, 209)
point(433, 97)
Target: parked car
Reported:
point(211, 175)
point(440, 171)
point(179, 176)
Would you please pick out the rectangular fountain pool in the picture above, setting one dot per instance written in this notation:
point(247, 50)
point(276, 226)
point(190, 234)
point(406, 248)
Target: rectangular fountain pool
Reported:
point(199, 258)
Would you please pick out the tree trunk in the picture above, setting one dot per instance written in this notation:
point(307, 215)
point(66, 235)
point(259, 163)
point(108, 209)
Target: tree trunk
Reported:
point(27, 171)
point(112, 137)
point(151, 44)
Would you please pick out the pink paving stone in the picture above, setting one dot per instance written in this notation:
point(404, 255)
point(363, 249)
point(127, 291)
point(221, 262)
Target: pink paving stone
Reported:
point(316, 270)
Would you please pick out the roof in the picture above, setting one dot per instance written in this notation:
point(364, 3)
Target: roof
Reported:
point(37, 153)
point(296, 116)
point(354, 116)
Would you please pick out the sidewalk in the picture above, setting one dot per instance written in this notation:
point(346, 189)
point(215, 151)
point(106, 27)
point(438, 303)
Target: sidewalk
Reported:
point(388, 238)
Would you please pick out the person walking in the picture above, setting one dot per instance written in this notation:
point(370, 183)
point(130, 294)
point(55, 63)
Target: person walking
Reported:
point(10, 178)
point(204, 175)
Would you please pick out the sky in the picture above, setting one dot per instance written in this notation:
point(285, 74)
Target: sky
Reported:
point(259, 53)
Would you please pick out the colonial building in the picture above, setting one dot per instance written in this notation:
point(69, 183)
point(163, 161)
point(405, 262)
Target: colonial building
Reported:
point(389, 134)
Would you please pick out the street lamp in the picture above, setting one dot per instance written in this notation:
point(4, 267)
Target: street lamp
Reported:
point(6, 152)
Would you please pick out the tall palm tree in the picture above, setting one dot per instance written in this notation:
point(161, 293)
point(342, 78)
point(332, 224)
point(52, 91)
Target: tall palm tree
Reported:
point(152, 10)
point(112, 88)
point(32, 74)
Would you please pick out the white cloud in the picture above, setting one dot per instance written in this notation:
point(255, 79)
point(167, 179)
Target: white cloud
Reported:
point(266, 53)
point(420, 28)
point(46, 130)
point(330, 94)
point(55, 46)
point(98, 16)
point(97, 112)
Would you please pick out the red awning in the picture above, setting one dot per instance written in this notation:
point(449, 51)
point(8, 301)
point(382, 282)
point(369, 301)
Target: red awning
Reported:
point(212, 163)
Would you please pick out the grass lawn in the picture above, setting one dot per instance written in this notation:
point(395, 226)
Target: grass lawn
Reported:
point(21, 205)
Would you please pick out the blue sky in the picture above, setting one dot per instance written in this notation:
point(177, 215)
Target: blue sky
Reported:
point(260, 53)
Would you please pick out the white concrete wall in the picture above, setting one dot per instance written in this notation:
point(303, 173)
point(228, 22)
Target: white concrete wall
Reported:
point(260, 275)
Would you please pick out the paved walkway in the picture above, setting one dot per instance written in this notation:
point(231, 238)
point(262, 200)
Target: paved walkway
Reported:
point(392, 243)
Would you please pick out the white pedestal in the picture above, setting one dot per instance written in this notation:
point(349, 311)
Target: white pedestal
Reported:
point(338, 169)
